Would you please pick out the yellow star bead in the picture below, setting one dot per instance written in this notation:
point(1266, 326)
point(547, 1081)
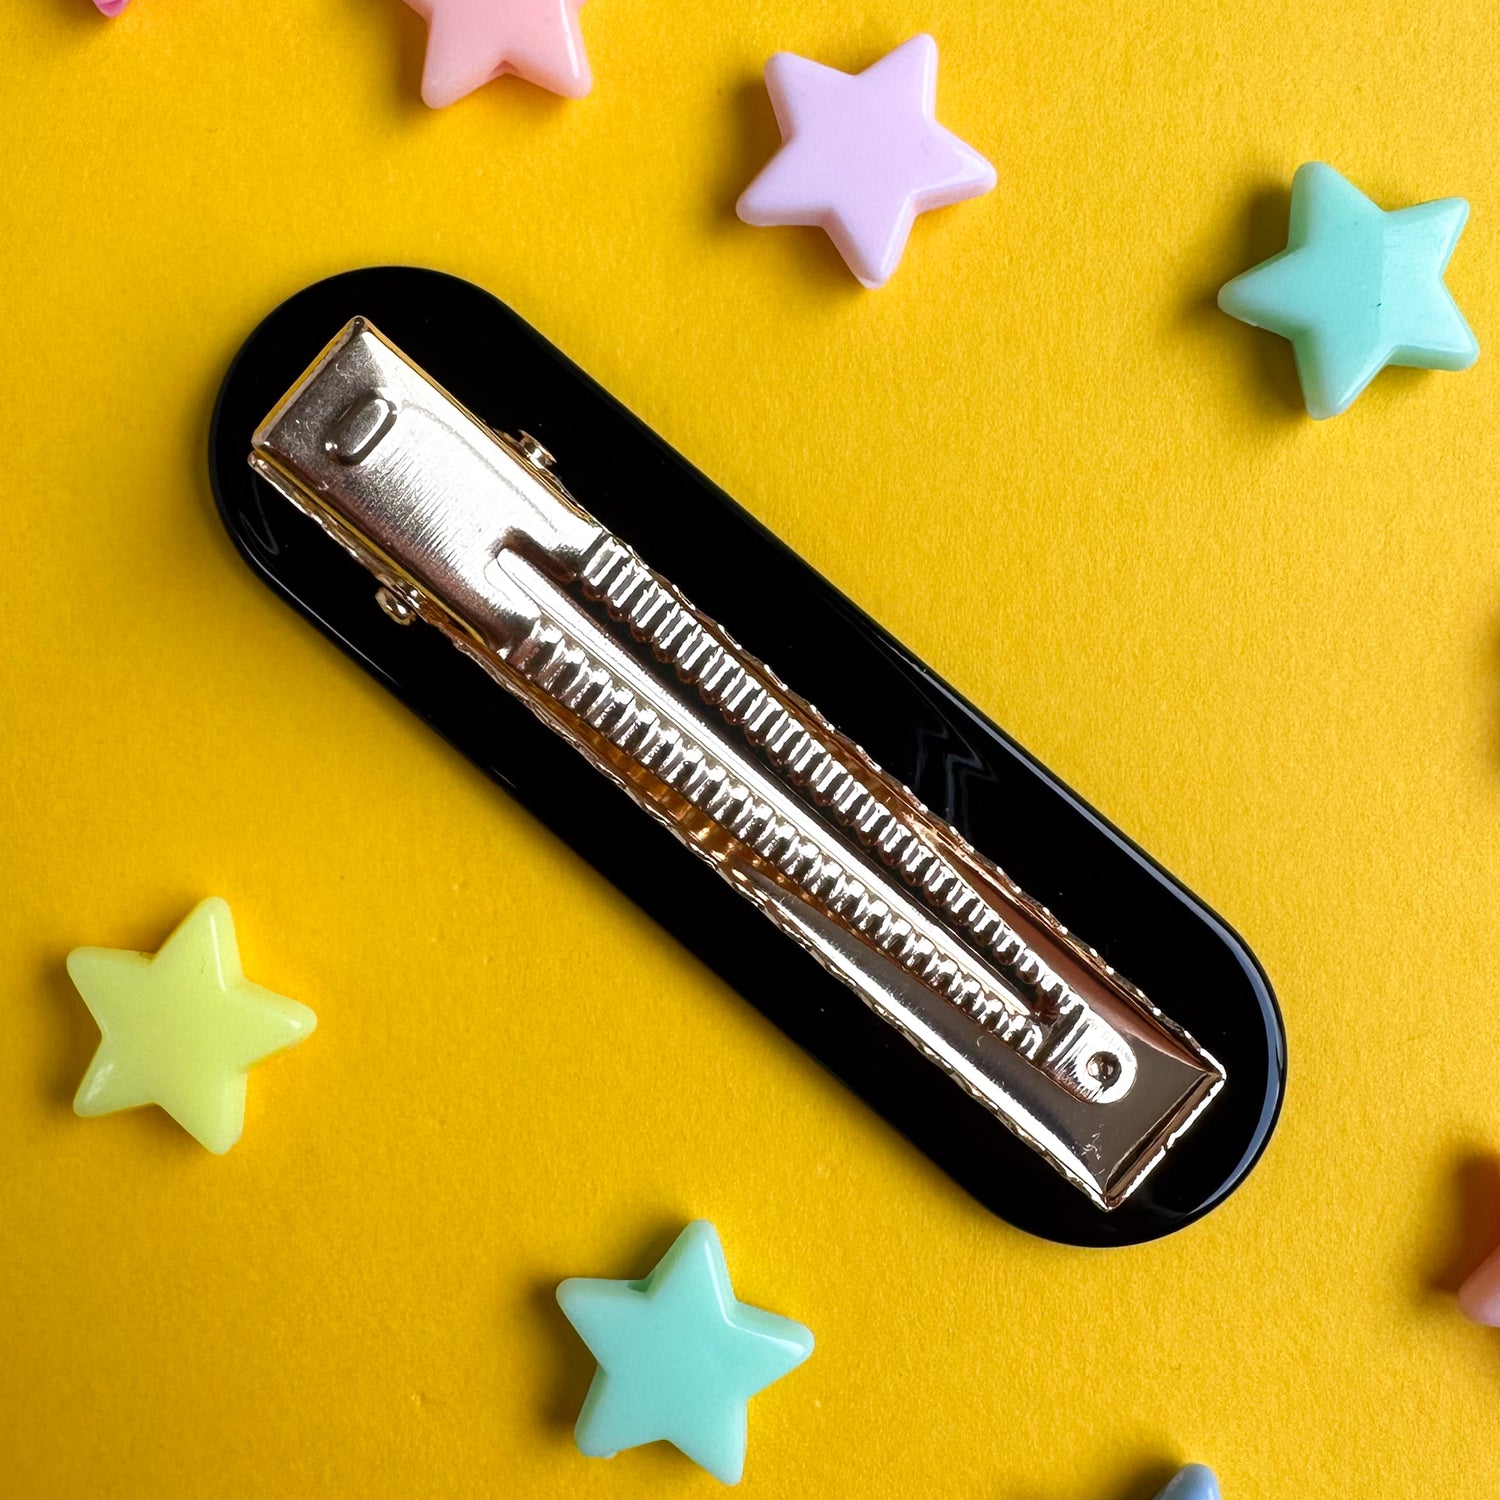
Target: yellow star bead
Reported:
point(181, 1027)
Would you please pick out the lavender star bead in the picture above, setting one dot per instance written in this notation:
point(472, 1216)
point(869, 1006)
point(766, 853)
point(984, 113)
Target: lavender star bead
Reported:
point(861, 155)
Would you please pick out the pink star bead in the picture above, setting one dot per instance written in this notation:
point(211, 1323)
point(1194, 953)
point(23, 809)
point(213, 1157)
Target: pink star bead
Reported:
point(111, 7)
point(861, 155)
point(469, 42)
point(1479, 1296)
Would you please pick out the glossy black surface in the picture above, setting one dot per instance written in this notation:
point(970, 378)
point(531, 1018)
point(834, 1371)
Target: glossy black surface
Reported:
point(1060, 850)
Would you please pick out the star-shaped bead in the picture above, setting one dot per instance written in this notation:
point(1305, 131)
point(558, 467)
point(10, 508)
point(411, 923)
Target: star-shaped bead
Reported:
point(181, 1027)
point(111, 7)
point(1479, 1296)
point(469, 42)
point(1357, 289)
point(861, 155)
point(678, 1356)
point(1192, 1483)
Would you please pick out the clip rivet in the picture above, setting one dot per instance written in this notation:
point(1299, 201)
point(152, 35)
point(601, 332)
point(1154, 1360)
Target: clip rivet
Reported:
point(533, 452)
point(1103, 1067)
point(398, 609)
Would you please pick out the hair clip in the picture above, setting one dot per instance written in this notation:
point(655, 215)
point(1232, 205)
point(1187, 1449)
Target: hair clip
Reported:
point(980, 992)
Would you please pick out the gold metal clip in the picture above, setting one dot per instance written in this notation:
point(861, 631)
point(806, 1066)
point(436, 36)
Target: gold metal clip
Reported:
point(472, 532)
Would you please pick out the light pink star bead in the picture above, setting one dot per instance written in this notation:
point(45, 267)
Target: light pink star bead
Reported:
point(111, 7)
point(861, 155)
point(1479, 1296)
point(469, 42)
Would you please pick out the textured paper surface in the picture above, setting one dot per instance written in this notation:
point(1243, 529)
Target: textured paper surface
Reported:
point(1269, 649)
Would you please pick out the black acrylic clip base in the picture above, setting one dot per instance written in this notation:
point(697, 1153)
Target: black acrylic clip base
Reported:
point(1061, 851)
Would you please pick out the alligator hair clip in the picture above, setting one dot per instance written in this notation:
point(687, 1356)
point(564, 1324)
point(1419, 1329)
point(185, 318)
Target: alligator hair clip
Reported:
point(1066, 1030)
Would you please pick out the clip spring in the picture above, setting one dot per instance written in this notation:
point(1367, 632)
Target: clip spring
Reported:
point(472, 532)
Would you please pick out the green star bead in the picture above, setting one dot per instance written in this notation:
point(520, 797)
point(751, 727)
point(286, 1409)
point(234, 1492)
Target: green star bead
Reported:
point(181, 1027)
point(1357, 289)
point(679, 1357)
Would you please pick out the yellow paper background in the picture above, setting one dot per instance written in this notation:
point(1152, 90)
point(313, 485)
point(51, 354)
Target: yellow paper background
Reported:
point(1269, 649)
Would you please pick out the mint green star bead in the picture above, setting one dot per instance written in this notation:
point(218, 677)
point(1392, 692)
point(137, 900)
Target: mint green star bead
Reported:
point(679, 1357)
point(1357, 289)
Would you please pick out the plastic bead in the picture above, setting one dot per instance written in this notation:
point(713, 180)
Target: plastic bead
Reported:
point(469, 42)
point(678, 1356)
point(1357, 289)
point(181, 1027)
point(861, 155)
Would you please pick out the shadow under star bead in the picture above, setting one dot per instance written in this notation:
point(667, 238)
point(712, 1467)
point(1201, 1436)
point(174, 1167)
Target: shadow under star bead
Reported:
point(181, 1027)
point(1191, 1483)
point(861, 155)
point(679, 1358)
point(470, 42)
point(1357, 288)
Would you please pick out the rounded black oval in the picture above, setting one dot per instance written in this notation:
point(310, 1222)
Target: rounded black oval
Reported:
point(1059, 849)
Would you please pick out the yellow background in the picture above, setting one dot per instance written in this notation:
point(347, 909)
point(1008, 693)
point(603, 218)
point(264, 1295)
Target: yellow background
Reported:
point(1269, 649)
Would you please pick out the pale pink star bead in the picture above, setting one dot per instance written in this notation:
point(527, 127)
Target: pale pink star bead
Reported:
point(469, 42)
point(861, 155)
point(111, 7)
point(1479, 1296)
